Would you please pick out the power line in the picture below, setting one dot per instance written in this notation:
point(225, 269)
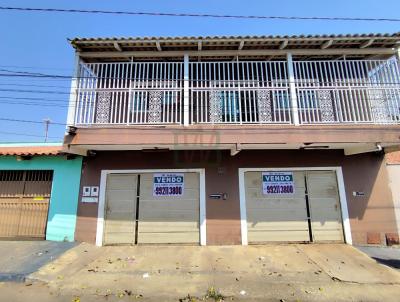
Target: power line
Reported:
point(49, 77)
point(36, 67)
point(33, 85)
point(34, 91)
point(25, 134)
point(29, 121)
point(196, 15)
point(32, 99)
point(35, 104)
point(22, 72)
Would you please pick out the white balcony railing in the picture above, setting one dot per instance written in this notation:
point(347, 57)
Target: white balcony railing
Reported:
point(237, 92)
point(348, 91)
point(129, 93)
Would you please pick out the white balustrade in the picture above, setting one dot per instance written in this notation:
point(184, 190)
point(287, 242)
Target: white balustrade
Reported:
point(129, 93)
point(363, 91)
point(238, 92)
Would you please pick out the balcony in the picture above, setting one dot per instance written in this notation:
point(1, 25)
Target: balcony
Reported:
point(282, 92)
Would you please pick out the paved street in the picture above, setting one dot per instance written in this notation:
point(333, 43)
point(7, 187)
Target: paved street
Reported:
point(389, 256)
point(169, 273)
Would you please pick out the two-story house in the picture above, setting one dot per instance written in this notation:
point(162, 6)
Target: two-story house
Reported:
point(235, 140)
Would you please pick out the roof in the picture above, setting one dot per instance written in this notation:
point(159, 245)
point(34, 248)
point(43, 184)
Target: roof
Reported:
point(31, 149)
point(119, 47)
point(393, 158)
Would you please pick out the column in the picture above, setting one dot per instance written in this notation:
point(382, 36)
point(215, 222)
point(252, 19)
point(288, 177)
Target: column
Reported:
point(186, 90)
point(73, 94)
point(292, 90)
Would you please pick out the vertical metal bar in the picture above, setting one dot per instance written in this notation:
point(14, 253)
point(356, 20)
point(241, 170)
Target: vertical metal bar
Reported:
point(248, 86)
point(167, 102)
point(186, 90)
point(119, 95)
point(286, 94)
point(345, 76)
point(292, 88)
point(84, 95)
point(236, 84)
point(191, 77)
point(178, 82)
point(129, 82)
point(92, 88)
point(136, 93)
point(169, 92)
point(195, 83)
point(199, 81)
point(241, 82)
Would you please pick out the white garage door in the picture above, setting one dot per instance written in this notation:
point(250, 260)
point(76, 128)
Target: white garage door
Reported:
point(311, 213)
point(169, 219)
point(273, 217)
point(120, 213)
point(326, 221)
point(135, 214)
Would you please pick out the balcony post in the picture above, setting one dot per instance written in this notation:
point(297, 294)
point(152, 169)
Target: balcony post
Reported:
point(186, 90)
point(73, 93)
point(292, 90)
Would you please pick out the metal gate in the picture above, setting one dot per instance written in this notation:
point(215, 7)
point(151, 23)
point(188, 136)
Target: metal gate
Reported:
point(24, 203)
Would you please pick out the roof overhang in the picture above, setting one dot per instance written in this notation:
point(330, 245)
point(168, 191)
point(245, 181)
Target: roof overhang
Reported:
point(219, 47)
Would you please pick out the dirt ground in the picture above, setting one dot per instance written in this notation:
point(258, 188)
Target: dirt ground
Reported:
point(190, 273)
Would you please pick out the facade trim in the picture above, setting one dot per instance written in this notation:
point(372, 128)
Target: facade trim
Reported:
point(341, 189)
point(101, 207)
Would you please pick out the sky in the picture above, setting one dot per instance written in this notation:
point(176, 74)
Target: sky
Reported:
point(37, 42)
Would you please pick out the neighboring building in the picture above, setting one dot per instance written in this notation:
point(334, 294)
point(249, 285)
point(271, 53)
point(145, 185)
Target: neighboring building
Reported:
point(39, 187)
point(235, 140)
point(393, 167)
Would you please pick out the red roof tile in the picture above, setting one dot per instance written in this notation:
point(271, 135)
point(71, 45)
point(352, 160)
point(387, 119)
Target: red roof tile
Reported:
point(31, 150)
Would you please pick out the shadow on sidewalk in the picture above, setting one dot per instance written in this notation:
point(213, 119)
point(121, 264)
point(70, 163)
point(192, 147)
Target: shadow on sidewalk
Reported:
point(21, 258)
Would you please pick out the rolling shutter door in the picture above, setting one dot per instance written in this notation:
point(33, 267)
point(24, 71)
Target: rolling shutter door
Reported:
point(274, 217)
point(120, 211)
point(169, 219)
point(326, 222)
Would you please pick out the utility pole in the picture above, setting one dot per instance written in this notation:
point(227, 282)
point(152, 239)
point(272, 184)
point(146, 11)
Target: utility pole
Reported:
point(46, 128)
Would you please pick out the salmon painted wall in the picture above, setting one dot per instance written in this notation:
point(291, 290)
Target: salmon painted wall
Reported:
point(371, 213)
point(64, 192)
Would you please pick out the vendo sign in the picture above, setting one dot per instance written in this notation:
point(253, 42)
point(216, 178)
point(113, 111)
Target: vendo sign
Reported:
point(168, 184)
point(281, 183)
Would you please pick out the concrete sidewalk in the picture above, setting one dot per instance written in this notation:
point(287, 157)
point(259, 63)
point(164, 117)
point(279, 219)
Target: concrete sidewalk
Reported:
point(256, 273)
point(21, 258)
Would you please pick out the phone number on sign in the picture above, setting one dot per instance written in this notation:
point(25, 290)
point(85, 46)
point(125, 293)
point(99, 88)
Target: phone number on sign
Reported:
point(168, 190)
point(279, 189)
